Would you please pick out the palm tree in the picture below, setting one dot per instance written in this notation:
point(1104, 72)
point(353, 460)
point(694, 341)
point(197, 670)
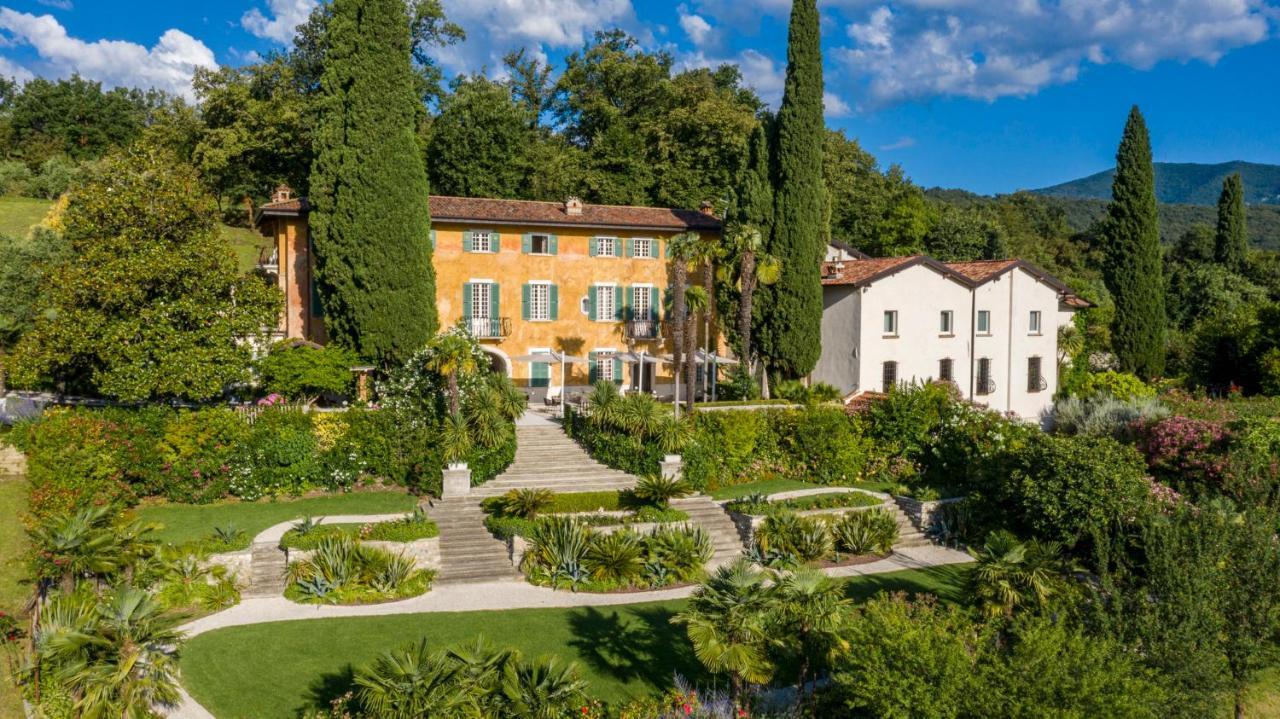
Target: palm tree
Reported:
point(705, 254)
point(542, 689)
point(812, 609)
point(695, 299)
point(1013, 574)
point(119, 659)
point(755, 267)
point(414, 682)
point(87, 544)
point(451, 357)
point(681, 248)
point(727, 623)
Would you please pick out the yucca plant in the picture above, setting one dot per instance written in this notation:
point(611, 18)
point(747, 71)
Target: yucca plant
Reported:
point(674, 434)
point(789, 533)
point(526, 502)
point(389, 572)
point(660, 490)
point(455, 439)
point(872, 531)
point(603, 403)
point(640, 414)
point(230, 534)
point(307, 525)
point(558, 543)
point(684, 552)
point(615, 558)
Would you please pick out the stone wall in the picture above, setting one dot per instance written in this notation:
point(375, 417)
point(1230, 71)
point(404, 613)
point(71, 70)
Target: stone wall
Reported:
point(923, 514)
point(238, 564)
point(425, 553)
point(11, 460)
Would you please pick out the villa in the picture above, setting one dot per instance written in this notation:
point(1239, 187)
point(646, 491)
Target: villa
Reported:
point(525, 278)
point(990, 327)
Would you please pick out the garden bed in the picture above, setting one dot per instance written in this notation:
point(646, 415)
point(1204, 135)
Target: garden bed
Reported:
point(409, 529)
point(357, 596)
point(592, 509)
point(804, 502)
point(563, 553)
point(343, 570)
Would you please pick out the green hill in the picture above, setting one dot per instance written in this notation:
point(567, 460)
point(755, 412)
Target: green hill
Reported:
point(1184, 183)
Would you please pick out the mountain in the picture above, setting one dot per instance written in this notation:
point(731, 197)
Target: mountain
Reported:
point(1184, 183)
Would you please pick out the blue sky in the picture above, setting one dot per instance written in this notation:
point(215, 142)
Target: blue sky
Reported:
point(987, 95)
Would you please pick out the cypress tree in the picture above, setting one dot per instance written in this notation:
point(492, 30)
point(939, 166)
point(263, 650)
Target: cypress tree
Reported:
point(370, 220)
point(1133, 264)
point(791, 328)
point(1231, 243)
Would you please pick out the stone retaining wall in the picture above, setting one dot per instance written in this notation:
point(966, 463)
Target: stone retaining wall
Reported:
point(748, 524)
point(239, 564)
point(923, 514)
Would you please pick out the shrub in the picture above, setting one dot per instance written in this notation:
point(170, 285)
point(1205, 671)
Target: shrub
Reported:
point(525, 502)
point(342, 571)
point(659, 490)
point(789, 534)
point(1105, 416)
point(199, 449)
point(15, 178)
point(874, 531)
point(281, 457)
point(558, 546)
point(796, 391)
point(613, 447)
point(299, 370)
point(908, 418)
point(759, 505)
point(1186, 454)
point(825, 441)
point(681, 553)
point(615, 558)
point(1117, 385)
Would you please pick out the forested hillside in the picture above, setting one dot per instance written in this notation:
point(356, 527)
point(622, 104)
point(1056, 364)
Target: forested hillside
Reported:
point(1184, 183)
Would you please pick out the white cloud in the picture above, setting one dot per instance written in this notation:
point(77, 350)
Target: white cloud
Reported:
point(285, 17)
point(833, 106)
point(988, 49)
point(167, 65)
point(12, 70)
point(901, 143)
point(695, 26)
point(57, 4)
point(759, 72)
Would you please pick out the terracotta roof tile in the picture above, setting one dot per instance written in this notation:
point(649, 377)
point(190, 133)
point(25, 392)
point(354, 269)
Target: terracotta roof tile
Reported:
point(855, 272)
point(553, 213)
point(295, 204)
point(980, 271)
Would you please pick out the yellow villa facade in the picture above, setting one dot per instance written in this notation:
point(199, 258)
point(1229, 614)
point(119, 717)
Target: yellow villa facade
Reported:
point(527, 277)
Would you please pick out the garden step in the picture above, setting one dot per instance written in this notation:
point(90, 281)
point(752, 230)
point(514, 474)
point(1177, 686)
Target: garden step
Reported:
point(267, 571)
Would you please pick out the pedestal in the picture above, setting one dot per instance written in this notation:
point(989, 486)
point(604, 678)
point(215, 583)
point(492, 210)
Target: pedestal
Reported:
point(671, 466)
point(457, 481)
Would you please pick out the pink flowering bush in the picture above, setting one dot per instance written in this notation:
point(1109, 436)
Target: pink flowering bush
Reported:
point(1188, 454)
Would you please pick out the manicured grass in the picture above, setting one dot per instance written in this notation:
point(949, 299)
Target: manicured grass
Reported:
point(191, 522)
point(768, 486)
point(18, 214)
point(274, 671)
point(13, 588)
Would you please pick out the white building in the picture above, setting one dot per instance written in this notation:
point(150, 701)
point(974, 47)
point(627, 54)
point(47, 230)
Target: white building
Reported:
point(991, 327)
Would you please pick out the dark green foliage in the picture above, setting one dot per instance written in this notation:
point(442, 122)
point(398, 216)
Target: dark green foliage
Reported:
point(148, 303)
point(299, 371)
point(479, 141)
point(825, 441)
point(74, 116)
point(1175, 220)
point(1231, 242)
point(790, 336)
point(1133, 267)
point(370, 219)
point(613, 447)
point(27, 261)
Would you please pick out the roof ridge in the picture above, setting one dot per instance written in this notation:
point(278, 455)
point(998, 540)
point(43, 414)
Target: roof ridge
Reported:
point(561, 203)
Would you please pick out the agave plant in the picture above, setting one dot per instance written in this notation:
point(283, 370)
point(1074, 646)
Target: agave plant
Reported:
point(558, 543)
point(872, 531)
point(684, 552)
point(391, 572)
point(319, 588)
point(308, 525)
point(660, 490)
point(615, 558)
point(789, 533)
point(526, 502)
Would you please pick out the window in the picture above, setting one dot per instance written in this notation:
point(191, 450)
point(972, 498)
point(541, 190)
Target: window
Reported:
point(480, 297)
point(606, 308)
point(605, 366)
point(480, 308)
point(606, 247)
point(945, 322)
point(539, 372)
point(539, 301)
point(891, 322)
point(984, 383)
point(539, 244)
point(984, 322)
point(1033, 324)
point(889, 375)
point(642, 247)
point(1035, 380)
point(945, 370)
point(481, 241)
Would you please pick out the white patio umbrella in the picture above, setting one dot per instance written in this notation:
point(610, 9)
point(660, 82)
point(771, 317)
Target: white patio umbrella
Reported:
point(641, 358)
point(715, 360)
point(552, 357)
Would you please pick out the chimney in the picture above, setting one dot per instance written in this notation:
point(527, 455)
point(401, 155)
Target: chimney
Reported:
point(573, 206)
point(283, 193)
point(706, 208)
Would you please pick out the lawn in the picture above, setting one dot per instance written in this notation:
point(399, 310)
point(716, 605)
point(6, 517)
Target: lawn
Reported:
point(768, 486)
point(189, 522)
point(18, 214)
point(247, 243)
point(623, 651)
point(13, 590)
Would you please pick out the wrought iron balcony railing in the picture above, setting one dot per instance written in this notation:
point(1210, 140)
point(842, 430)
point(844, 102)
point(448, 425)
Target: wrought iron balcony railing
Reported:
point(488, 327)
point(1037, 384)
point(643, 329)
point(985, 385)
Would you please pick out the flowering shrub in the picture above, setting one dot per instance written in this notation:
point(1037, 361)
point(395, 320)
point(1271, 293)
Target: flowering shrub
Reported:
point(198, 450)
point(1188, 454)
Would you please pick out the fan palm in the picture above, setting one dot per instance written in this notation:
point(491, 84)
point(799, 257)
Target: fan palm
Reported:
point(542, 689)
point(681, 250)
point(727, 623)
point(415, 682)
point(812, 609)
point(451, 357)
point(83, 544)
point(1012, 574)
point(121, 660)
point(755, 267)
point(526, 501)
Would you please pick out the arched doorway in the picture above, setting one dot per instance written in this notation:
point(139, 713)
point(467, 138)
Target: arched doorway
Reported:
point(499, 363)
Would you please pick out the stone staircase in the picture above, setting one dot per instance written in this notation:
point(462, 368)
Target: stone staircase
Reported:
point(713, 520)
point(468, 553)
point(908, 534)
point(547, 459)
point(267, 573)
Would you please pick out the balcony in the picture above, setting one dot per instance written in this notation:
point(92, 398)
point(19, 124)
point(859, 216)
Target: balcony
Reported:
point(643, 329)
point(488, 328)
point(1037, 384)
point(269, 260)
point(985, 386)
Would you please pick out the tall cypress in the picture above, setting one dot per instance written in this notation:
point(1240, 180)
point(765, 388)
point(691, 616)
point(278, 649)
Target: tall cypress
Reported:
point(791, 311)
point(1133, 265)
point(1231, 243)
point(370, 219)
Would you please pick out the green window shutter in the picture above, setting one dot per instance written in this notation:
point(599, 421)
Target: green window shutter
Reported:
point(494, 295)
point(466, 299)
point(495, 242)
point(553, 300)
point(591, 303)
point(631, 301)
point(593, 368)
point(526, 243)
point(668, 255)
point(628, 247)
point(524, 301)
point(617, 371)
point(592, 245)
point(553, 244)
point(539, 374)
point(654, 304)
point(466, 241)
point(619, 312)
point(433, 239)
point(657, 249)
